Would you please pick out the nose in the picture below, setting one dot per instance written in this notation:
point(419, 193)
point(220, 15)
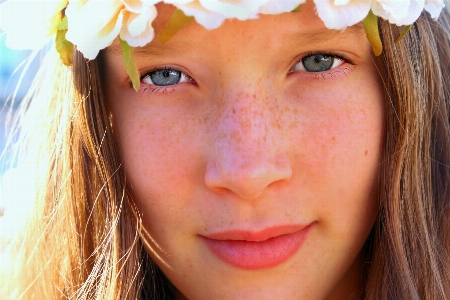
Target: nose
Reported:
point(248, 150)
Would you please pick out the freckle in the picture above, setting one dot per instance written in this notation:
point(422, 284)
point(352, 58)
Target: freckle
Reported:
point(247, 95)
point(365, 153)
point(296, 111)
point(293, 124)
point(333, 138)
point(234, 111)
point(254, 96)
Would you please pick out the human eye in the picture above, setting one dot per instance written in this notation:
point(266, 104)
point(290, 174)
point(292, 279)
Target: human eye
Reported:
point(164, 77)
point(318, 62)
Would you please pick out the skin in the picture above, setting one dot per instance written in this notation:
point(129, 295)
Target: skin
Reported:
point(249, 144)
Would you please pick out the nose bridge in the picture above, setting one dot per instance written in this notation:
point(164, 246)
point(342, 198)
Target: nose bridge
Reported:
point(247, 122)
point(248, 152)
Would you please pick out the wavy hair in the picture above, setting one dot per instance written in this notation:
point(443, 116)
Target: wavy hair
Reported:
point(81, 240)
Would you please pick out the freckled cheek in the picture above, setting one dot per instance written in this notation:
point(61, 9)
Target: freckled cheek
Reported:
point(338, 154)
point(158, 156)
point(339, 140)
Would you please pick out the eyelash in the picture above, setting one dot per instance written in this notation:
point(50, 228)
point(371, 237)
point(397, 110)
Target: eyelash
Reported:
point(153, 89)
point(328, 74)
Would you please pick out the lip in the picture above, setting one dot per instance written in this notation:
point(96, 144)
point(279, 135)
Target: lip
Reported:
point(257, 250)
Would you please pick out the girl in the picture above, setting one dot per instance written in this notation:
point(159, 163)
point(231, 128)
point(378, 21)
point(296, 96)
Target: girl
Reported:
point(254, 153)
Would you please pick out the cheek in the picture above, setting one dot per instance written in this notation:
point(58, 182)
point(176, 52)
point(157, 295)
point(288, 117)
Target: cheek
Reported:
point(160, 158)
point(337, 150)
point(344, 139)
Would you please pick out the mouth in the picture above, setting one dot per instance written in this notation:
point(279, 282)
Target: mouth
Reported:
point(257, 250)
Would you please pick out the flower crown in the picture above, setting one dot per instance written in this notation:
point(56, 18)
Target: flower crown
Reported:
point(92, 25)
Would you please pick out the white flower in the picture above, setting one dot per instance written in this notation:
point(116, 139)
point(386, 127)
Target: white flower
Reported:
point(137, 29)
point(211, 13)
point(339, 14)
point(206, 18)
point(434, 7)
point(274, 7)
point(29, 24)
point(94, 24)
point(400, 12)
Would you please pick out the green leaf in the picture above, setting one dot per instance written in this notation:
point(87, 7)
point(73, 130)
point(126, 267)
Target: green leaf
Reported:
point(371, 27)
point(130, 64)
point(175, 24)
point(297, 9)
point(405, 31)
point(64, 24)
point(64, 47)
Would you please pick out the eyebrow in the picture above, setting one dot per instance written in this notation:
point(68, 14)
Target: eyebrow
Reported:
point(323, 34)
point(149, 49)
point(318, 36)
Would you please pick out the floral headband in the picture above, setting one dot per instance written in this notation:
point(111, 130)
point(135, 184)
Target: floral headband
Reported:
point(92, 25)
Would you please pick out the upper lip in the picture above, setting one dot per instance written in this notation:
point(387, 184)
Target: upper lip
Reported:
point(256, 236)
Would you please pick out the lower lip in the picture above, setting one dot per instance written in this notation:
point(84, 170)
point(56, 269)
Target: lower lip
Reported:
point(253, 255)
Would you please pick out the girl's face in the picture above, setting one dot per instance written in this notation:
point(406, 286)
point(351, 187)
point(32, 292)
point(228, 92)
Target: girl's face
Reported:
point(256, 177)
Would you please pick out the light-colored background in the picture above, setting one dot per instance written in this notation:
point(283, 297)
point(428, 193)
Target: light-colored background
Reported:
point(10, 72)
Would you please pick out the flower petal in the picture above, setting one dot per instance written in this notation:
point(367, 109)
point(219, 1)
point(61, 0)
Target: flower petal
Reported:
point(138, 6)
point(137, 29)
point(209, 20)
point(341, 16)
point(91, 31)
point(400, 12)
point(434, 7)
point(241, 9)
point(276, 7)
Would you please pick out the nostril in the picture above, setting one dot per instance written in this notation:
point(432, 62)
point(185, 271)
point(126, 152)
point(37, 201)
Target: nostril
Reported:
point(247, 179)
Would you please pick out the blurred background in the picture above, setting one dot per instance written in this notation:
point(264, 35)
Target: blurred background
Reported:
point(10, 72)
point(12, 68)
point(15, 194)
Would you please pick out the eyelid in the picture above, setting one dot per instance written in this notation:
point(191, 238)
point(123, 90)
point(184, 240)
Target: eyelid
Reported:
point(146, 74)
point(338, 57)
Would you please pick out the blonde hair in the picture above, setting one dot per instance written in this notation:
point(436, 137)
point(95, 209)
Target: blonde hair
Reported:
point(82, 239)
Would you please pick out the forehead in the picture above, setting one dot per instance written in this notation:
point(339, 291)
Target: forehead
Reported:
point(268, 31)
